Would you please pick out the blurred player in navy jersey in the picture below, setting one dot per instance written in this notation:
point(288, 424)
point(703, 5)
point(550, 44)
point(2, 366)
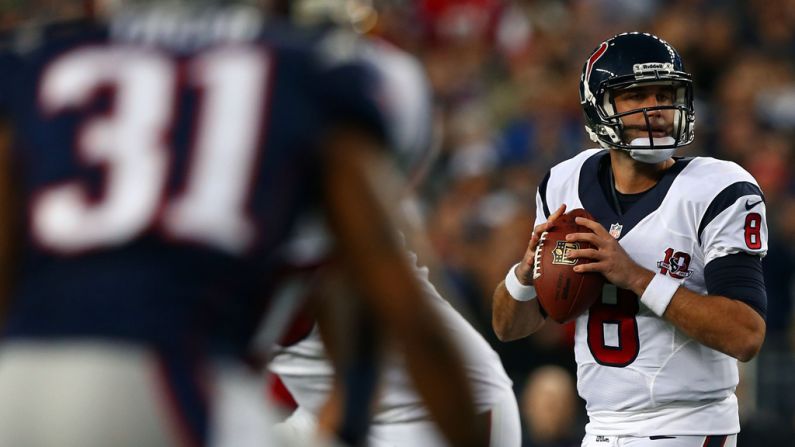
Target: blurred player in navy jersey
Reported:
point(159, 159)
point(303, 360)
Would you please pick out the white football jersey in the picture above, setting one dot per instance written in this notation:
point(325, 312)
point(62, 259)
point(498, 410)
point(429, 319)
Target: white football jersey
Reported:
point(307, 374)
point(638, 374)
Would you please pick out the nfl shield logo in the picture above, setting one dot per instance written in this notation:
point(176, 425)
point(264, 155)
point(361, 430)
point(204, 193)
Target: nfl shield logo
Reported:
point(560, 254)
point(615, 230)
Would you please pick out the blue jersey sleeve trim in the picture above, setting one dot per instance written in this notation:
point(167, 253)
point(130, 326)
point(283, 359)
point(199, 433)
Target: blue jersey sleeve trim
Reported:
point(724, 200)
point(739, 277)
point(542, 192)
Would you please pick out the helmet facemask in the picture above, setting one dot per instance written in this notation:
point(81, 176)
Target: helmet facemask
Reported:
point(628, 61)
point(613, 127)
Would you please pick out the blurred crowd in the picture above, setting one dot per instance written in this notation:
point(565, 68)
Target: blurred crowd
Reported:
point(505, 76)
point(505, 79)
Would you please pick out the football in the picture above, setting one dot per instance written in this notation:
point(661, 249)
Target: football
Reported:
point(563, 293)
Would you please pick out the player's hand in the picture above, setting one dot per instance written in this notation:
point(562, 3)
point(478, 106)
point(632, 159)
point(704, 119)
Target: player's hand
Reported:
point(608, 257)
point(525, 270)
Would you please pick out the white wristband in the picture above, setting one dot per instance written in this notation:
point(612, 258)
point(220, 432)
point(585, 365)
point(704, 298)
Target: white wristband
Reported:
point(517, 290)
point(658, 293)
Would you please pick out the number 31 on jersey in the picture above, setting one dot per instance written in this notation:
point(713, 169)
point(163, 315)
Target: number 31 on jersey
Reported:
point(130, 142)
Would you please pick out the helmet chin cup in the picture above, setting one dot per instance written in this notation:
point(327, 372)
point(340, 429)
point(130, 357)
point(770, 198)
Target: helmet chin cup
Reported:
point(652, 143)
point(646, 152)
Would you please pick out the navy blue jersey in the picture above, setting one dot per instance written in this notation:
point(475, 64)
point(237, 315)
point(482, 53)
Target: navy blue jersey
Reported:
point(163, 159)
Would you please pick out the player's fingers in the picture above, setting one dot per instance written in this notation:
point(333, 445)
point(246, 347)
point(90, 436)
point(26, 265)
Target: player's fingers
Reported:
point(589, 267)
point(539, 230)
point(589, 253)
point(585, 237)
point(558, 212)
point(554, 216)
point(596, 227)
point(529, 252)
point(531, 244)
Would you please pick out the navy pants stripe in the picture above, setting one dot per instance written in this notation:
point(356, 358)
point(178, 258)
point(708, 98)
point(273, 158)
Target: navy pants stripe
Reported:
point(715, 441)
point(187, 398)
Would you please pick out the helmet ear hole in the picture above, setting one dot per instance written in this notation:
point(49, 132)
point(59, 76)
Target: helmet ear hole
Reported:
point(614, 136)
point(607, 103)
point(678, 124)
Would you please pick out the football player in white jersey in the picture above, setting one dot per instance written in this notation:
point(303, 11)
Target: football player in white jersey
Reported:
point(679, 241)
point(399, 415)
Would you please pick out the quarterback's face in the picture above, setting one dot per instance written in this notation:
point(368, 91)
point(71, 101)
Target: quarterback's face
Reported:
point(660, 121)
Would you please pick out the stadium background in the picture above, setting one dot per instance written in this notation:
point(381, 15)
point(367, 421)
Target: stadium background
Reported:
point(505, 74)
point(505, 77)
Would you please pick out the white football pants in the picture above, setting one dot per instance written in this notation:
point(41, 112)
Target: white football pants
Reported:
point(660, 441)
point(101, 394)
point(505, 429)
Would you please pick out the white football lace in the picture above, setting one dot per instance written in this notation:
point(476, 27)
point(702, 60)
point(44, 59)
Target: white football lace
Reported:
point(537, 256)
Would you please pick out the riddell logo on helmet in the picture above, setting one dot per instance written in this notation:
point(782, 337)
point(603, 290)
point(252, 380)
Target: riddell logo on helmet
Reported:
point(654, 66)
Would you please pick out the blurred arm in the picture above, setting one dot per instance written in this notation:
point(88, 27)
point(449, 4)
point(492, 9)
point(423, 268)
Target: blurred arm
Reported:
point(359, 193)
point(352, 344)
point(8, 219)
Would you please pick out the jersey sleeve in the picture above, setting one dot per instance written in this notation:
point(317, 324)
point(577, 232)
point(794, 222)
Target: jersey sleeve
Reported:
point(735, 222)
